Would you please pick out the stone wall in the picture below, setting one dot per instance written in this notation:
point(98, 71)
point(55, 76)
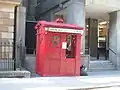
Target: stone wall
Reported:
point(6, 30)
point(10, 1)
point(114, 37)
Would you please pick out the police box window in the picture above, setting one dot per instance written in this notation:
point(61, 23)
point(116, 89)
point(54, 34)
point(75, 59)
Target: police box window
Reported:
point(70, 50)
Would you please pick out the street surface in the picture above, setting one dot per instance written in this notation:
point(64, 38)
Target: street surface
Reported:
point(109, 80)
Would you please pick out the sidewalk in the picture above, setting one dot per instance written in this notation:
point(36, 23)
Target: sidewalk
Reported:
point(94, 81)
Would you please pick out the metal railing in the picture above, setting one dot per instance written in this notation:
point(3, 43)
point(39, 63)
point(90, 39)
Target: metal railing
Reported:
point(7, 61)
point(115, 59)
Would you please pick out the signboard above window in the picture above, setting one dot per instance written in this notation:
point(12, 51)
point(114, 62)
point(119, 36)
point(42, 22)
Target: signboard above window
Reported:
point(64, 30)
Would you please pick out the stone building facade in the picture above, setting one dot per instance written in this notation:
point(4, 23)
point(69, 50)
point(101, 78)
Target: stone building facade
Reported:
point(7, 11)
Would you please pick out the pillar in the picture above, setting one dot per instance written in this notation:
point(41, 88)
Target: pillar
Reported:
point(25, 3)
point(20, 33)
point(93, 36)
point(114, 37)
point(76, 15)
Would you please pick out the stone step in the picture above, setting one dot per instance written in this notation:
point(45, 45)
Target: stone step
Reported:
point(101, 65)
point(14, 74)
point(99, 69)
point(111, 68)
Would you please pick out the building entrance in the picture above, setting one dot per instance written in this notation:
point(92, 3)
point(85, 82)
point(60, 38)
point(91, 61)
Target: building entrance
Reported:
point(97, 39)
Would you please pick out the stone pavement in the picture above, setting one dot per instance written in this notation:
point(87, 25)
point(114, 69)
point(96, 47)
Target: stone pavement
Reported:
point(95, 81)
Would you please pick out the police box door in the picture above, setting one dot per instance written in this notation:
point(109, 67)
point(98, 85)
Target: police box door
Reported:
point(68, 54)
point(53, 54)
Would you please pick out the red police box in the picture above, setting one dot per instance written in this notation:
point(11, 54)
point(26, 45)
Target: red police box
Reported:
point(58, 48)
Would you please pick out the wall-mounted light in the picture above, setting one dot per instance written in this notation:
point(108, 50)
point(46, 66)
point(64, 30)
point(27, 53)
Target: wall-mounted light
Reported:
point(87, 26)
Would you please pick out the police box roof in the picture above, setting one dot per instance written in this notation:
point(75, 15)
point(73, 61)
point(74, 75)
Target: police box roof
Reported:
point(58, 24)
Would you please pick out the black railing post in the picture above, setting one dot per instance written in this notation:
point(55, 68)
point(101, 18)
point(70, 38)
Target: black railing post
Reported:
point(14, 40)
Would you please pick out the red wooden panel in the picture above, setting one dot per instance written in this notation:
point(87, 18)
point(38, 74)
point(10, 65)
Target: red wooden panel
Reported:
point(70, 66)
point(53, 53)
point(55, 66)
point(46, 69)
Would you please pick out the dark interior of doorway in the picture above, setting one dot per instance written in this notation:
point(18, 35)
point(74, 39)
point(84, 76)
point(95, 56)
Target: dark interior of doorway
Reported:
point(30, 39)
point(102, 53)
